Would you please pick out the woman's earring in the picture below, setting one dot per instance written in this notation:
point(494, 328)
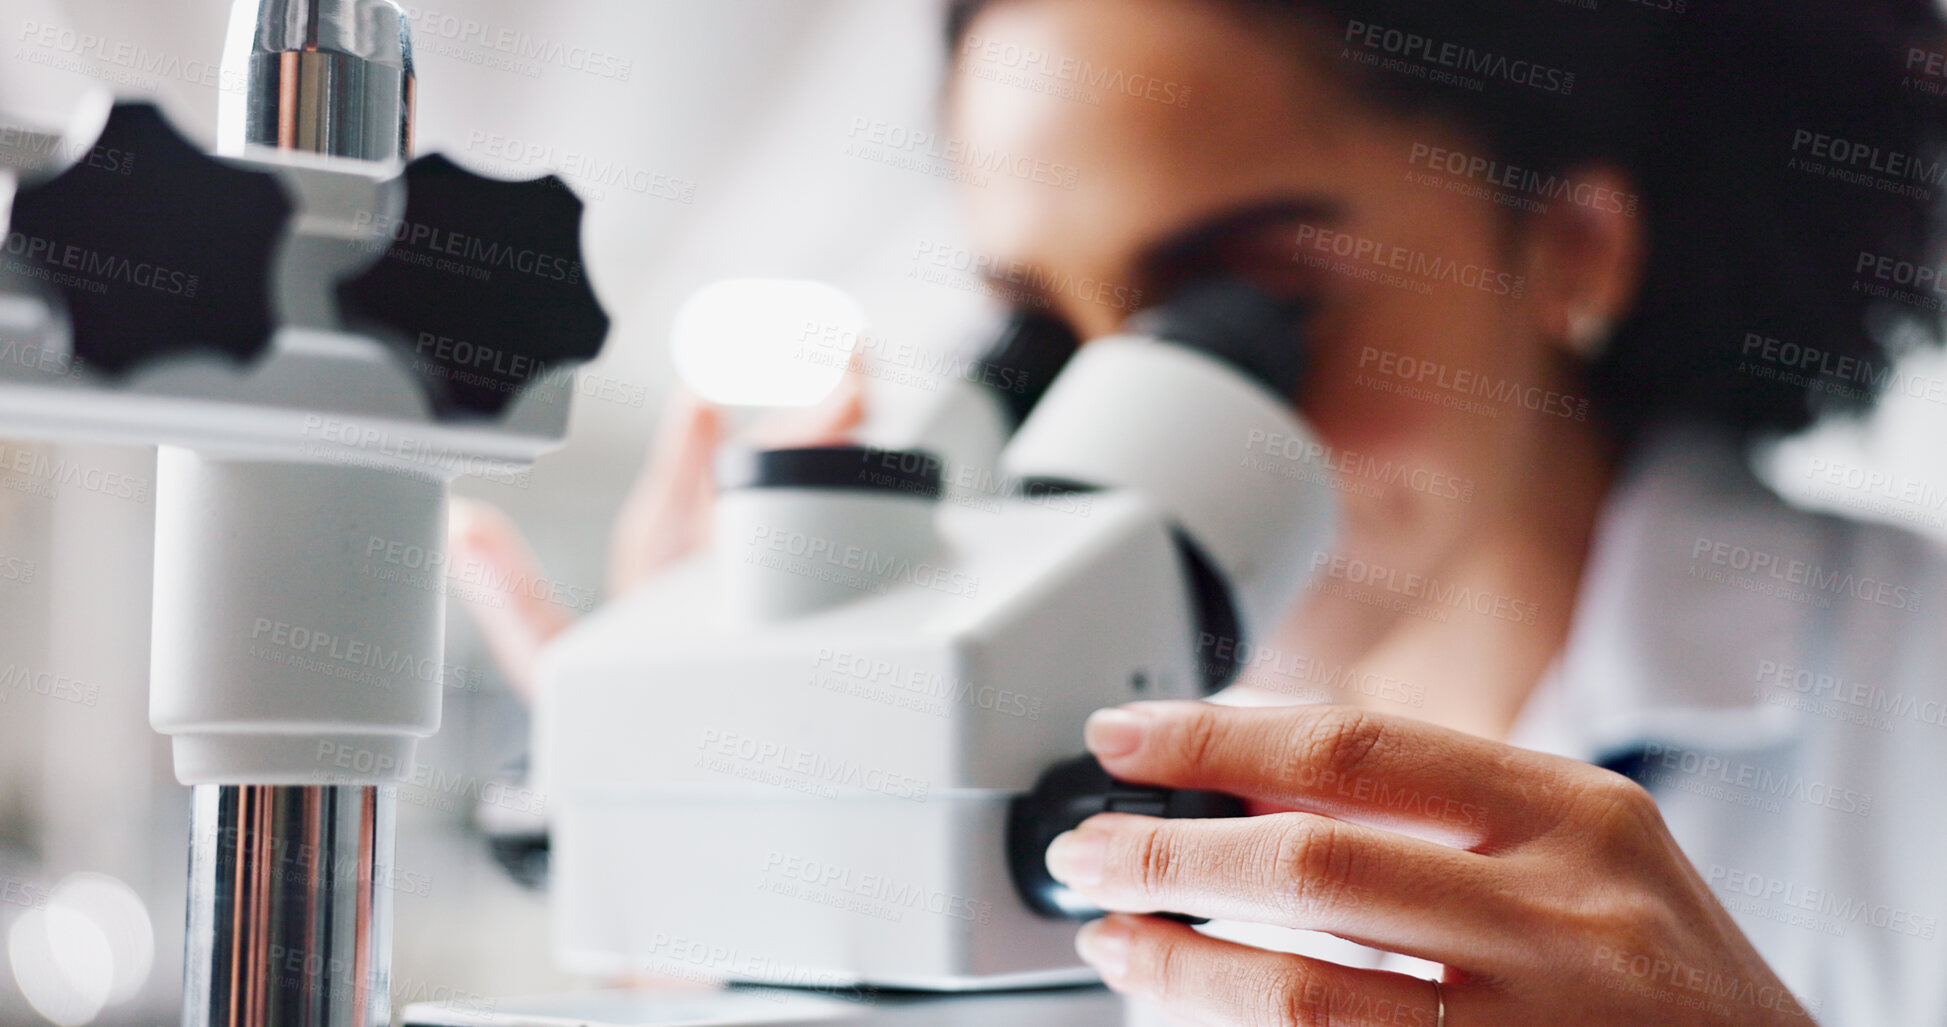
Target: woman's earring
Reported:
point(1588, 333)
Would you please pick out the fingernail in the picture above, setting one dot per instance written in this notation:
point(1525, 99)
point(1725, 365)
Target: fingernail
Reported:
point(1113, 732)
point(1077, 858)
point(1104, 946)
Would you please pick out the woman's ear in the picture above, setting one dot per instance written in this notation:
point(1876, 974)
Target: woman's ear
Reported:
point(1585, 257)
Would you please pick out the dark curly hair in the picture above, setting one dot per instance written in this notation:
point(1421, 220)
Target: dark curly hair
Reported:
point(1787, 154)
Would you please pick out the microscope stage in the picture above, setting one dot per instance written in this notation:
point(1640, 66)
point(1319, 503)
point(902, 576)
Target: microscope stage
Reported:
point(779, 1007)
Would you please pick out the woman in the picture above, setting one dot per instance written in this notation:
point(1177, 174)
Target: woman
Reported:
point(1612, 734)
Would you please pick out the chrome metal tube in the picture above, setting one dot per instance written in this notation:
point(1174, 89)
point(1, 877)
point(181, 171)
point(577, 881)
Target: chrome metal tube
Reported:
point(324, 76)
point(290, 909)
point(290, 905)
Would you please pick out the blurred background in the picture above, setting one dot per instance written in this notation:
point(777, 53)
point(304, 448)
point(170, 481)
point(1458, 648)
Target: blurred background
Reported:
point(711, 139)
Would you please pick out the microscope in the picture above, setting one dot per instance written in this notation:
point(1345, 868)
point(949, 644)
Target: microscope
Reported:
point(820, 761)
point(280, 319)
point(825, 757)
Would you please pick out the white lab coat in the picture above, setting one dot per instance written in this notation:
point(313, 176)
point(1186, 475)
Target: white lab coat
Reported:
point(1784, 675)
point(1794, 715)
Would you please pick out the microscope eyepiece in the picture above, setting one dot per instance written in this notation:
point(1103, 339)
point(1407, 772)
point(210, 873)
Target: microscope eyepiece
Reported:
point(1031, 350)
point(909, 472)
point(1238, 323)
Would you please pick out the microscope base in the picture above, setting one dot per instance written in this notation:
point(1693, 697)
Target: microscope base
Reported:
point(781, 1007)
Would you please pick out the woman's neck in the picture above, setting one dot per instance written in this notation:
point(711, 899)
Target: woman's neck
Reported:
point(1496, 612)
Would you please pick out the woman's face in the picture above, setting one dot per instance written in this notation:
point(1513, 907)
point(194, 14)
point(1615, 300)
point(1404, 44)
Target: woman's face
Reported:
point(1197, 139)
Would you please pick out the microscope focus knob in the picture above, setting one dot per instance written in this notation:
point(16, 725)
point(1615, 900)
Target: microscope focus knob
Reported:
point(481, 287)
point(154, 248)
point(1073, 791)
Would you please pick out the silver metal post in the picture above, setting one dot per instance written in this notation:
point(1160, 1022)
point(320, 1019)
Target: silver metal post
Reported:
point(290, 911)
point(324, 76)
point(290, 905)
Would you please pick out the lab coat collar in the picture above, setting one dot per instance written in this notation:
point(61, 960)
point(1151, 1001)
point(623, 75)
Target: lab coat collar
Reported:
point(1668, 637)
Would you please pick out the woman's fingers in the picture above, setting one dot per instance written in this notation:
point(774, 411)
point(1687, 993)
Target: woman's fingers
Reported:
point(1369, 768)
point(515, 621)
point(1218, 982)
point(667, 512)
point(1294, 870)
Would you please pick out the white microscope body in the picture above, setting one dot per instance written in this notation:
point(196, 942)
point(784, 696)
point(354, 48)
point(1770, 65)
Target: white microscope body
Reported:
point(791, 760)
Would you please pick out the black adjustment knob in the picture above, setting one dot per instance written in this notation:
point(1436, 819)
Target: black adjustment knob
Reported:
point(154, 247)
point(481, 287)
point(1073, 791)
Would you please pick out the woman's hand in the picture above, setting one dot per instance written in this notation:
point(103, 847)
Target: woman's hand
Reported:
point(666, 516)
point(1551, 890)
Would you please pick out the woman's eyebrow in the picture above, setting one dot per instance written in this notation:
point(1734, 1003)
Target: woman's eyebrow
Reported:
point(1194, 244)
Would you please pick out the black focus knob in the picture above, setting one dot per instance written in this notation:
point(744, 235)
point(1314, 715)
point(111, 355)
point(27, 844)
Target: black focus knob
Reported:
point(1067, 794)
point(481, 286)
point(153, 247)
